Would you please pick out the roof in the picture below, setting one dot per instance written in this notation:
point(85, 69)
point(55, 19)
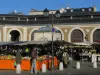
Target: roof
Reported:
point(46, 10)
point(66, 17)
point(90, 9)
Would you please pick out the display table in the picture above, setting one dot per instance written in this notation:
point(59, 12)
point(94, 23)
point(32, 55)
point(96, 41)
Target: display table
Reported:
point(25, 64)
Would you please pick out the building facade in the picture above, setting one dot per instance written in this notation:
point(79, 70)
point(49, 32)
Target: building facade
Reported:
point(74, 25)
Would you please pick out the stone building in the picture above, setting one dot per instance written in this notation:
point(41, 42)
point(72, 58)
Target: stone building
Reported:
point(73, 25)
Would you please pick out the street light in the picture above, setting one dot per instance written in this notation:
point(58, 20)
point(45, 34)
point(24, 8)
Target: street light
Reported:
point(57, 14)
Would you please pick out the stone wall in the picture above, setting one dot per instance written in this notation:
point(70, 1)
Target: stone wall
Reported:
point(65, 29)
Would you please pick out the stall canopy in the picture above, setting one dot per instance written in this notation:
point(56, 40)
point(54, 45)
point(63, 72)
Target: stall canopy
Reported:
point(83, 43)
point(86, 44)
point(62, 42)
point(10, 43)
point(96, 43)
point(31, 43)
point(22, 43)
point(6, 43)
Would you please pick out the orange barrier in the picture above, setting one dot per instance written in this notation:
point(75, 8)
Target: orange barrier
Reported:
point(38, 66)
point(55, 62)
point(25, 64)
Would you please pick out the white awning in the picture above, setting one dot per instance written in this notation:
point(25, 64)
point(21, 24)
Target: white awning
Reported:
point(83, 43)
point(32, 42)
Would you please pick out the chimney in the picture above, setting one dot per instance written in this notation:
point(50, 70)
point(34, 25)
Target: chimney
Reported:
point(68, 7)
point(94, 9)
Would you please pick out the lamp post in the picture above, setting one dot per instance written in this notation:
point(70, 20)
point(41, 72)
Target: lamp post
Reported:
point(57, 14)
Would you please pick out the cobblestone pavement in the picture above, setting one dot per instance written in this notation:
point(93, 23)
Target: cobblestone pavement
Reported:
point(86, 69)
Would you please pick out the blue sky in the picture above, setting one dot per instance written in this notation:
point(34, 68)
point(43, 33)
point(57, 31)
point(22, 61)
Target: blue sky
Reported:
point(25, 6)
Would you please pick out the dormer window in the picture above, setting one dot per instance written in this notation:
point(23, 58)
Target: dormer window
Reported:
point(35, 19)
point(65, 10)
point(3, 18)
point(27, 19)
point(83, 9)
point(71, 10)
point(71, 17)
point(89, 9)
point(67, 7)
point(18, 19)
point(91, 16)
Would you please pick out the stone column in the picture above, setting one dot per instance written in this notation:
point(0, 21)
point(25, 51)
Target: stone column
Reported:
point(4, 34)
point(24, 34)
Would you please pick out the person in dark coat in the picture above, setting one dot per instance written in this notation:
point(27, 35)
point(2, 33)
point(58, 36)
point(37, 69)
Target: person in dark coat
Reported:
point(33, 60)
point(77, 57)
point(60, 56)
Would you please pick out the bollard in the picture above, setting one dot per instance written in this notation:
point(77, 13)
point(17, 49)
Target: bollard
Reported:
point(95, 64)
point(18, 69)
point(78, 65)
point(43, 67)
point(61, 66)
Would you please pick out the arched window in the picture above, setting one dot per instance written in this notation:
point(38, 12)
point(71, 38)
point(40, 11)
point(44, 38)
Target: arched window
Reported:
point(76, 36)
point(96, 35)
point(45, 33)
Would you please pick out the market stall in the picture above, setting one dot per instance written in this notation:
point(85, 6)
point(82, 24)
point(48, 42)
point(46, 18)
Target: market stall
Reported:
point(7, 62)
point(7, 58)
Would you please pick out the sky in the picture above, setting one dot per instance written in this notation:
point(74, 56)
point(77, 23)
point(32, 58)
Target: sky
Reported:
point(25, 6)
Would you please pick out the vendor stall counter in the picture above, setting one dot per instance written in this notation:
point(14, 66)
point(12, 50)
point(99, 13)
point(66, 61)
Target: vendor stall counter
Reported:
point(25, 64)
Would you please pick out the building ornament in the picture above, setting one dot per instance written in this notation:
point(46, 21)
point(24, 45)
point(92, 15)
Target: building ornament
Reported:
point(66, 30)
point(87, 30)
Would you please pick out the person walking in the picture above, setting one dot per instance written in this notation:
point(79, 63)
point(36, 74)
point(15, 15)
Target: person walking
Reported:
point(65, 59)
point(77, 56)
point(60, 56)
point(33, 61)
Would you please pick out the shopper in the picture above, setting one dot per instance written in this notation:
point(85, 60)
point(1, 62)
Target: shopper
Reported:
point(77, 56)
point(33, 59)
point(65, 59)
